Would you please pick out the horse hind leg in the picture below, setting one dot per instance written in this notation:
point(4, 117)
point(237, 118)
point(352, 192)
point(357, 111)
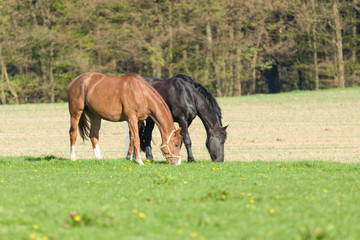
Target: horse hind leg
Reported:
point(94, 134)
point(74, 122)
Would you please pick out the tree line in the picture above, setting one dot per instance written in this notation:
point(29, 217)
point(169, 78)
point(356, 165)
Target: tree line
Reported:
point(232, 47)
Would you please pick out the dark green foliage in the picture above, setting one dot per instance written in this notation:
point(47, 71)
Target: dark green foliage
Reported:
point(231, 47)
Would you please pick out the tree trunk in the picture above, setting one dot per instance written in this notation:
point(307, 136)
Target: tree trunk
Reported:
point(2, 89)
point(186, 68)
point(237, 82)
point(51, 76)
point(315, 56)
point(254, 60)
point(211, 57)
point(4, 73)
point(209, 46)
point(341, 77)
point(171, 43)
point(353, 50)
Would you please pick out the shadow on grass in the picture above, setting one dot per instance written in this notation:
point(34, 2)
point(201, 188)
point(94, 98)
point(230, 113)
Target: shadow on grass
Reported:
point(44, 158)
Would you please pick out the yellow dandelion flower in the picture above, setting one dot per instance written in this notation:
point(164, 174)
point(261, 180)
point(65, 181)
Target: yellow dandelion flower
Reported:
point(185, 182)
point(134, 211)
point(271, 210)
point(251, 201)
point(325, 190)
point(342, 195)
point(77, 218)
point(180, 231)
point(2, 180)
point(44, 238)
point(319, 171)
point(193, 234)
point(88, 182)
point(277, 186)
point(142, 215)
point(35, 227)
point(33, 236)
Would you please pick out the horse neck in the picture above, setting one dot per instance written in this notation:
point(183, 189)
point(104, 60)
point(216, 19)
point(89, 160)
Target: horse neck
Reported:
point(208, 118)
point(163, 119)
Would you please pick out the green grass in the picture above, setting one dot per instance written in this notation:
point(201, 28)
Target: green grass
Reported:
point(43, 197)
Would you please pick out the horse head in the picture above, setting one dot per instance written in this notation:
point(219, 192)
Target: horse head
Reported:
point(171, 149)
point(215, 143)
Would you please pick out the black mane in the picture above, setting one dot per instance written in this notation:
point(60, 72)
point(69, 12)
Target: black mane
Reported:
point(208, 96)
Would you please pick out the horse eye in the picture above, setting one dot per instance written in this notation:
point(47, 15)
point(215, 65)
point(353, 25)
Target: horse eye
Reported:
point(176, 145)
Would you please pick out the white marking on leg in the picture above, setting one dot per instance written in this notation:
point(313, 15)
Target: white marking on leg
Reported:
point(97, 152)
point(72, 153)
point(140, 162)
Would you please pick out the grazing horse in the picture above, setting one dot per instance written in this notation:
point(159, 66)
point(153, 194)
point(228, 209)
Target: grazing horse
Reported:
point(95, 96)
point(186, 100)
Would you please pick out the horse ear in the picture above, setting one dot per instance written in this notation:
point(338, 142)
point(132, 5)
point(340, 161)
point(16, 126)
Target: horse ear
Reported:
point(178, 131)
point(224, 128)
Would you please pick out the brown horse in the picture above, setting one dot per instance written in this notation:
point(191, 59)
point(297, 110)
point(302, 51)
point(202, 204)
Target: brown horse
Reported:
point(95, 96)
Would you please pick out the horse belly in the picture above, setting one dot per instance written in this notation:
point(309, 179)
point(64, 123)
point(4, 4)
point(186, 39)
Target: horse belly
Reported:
point(106, 105)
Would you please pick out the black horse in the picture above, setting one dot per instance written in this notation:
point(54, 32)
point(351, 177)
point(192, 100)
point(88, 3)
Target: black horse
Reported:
point(186, 99)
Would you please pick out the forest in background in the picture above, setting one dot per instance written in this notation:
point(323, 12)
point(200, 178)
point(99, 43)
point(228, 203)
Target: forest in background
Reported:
point(232, 47)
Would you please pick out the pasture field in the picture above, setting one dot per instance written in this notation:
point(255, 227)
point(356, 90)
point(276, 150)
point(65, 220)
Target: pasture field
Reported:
point(52, 198)
point(323, 125)
point(291, 171)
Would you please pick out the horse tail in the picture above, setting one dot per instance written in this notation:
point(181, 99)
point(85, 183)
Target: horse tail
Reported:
point(84, 125)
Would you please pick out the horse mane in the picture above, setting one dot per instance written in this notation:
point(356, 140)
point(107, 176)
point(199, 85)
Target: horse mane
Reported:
point(155, 92)
point(208, 96)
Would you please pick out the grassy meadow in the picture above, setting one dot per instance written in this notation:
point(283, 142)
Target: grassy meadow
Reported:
point(52, 198)
point(291, 171)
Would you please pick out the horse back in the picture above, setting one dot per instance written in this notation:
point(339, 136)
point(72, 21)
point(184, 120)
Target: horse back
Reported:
point(112, 98)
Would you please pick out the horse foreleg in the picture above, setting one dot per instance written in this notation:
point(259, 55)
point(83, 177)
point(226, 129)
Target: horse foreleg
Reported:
point(146, 138)
point(94, 135)
point(186, 138)
point(134, 140)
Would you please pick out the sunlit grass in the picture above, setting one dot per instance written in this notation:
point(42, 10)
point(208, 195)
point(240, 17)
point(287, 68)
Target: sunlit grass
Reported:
point(52, 198)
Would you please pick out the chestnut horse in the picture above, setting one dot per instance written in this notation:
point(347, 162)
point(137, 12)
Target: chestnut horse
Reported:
point(95, 96)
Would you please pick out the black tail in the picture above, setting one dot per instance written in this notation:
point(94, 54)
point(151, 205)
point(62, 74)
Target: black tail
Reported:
point(84, 125)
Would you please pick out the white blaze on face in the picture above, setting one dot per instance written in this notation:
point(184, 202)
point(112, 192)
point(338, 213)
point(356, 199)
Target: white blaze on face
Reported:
point(177, 163)
point(97, 151)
